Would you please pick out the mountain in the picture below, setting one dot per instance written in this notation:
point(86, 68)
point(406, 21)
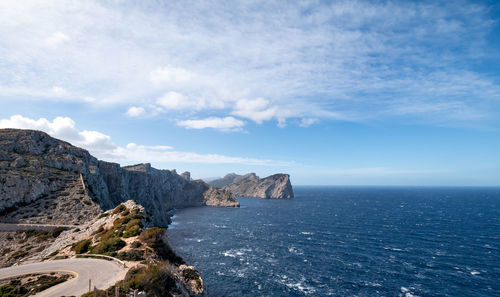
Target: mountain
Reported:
point(250, 185)
point(46, 180)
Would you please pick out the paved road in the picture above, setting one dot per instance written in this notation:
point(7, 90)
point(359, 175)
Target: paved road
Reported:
point(103, 274)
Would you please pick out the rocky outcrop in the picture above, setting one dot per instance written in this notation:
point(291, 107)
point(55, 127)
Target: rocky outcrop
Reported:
point(250, 185)
point(43, 179)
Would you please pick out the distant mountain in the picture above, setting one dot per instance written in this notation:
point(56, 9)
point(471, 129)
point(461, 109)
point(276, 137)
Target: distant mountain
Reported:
point(46, 180)
point(250, 185)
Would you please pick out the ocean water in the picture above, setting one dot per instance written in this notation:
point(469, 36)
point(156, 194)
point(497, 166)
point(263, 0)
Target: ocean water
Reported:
point(348, 241)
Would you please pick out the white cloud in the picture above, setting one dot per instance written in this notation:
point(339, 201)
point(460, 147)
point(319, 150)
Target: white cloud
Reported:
point(354, 59)
point(101, 146)
point(56, 39)
point(175, 100)
point(58, 92)
point(64, 128)
point(170, 75)
point(224, 124)
point(257, 109)
point(135, 111)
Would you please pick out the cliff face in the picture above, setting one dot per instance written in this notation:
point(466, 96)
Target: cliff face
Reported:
point(249, 185)
point(43, 179)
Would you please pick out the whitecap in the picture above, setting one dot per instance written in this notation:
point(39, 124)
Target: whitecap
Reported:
point(474, 272)
point(298, 285)
point(295, 250)
point(407, 292)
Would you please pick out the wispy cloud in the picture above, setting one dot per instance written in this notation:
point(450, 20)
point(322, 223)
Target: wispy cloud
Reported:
point(224, 124)
point(261, 61)
point(101, 145)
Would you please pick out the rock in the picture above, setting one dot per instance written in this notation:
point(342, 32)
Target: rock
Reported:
point(250, 185)
point(51, 181)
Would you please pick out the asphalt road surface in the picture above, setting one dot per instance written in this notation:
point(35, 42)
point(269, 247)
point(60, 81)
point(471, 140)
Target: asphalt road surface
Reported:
point(102, 273)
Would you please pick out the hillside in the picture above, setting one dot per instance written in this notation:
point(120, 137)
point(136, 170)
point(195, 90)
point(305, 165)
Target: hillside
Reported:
point(250, 185)
point(46, 180)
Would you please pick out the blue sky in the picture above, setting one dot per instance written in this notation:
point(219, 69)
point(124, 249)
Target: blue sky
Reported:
point(332, 92)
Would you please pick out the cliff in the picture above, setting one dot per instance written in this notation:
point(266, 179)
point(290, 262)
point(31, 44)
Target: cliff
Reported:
point(46, 180)
point(250, 185)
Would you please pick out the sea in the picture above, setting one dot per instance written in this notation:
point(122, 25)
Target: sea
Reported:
point(347, 241)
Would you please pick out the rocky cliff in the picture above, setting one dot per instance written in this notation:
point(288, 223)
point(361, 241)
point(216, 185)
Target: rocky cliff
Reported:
point(43, 179)
point(250, 185)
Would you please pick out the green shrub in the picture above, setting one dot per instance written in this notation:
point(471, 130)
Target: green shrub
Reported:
point(132, 255)
point(155, 280)
point(119, 208)
point(152, 235)
point(153, 238)
point(136, 244)
point(7, 291)
point(132, 231)
point(82, 246)
point(108, 245)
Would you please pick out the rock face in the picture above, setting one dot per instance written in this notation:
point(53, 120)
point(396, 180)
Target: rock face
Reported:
point(43, 179)
point(250, 185)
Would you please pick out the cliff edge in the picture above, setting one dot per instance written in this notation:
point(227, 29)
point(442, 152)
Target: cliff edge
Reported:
point(250, 185)
point(46, 180)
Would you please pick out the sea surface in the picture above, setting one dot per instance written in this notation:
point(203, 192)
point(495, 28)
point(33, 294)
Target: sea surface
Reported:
point(348, 241)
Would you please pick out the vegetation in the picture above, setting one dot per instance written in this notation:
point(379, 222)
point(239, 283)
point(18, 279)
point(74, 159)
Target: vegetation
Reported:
point(19, 254)
point(156, 280)
point(31, 285)
point(42, 235)
point(132, 255)
point(119, 208)
point(136, 244)
point(108, 246)
point(82, 246)
point(153, 238)
point(7, 291)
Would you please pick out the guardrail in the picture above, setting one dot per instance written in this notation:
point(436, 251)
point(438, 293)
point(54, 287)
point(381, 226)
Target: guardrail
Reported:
point(109, 258)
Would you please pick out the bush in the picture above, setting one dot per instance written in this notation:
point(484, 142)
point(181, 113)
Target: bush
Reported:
point(152, 235)
point(132, 255)
point(119, 208)
point(153, 238)
point(108, 245)
point(82, 246)
point(132, 231)
point(136, 244)
point(155, 280)
point(7, 291)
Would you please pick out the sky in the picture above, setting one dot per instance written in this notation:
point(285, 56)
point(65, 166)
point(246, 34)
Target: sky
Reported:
point(331, 92)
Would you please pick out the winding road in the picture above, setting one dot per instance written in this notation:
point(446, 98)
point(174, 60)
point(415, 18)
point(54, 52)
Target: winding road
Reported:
point(103, 274)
